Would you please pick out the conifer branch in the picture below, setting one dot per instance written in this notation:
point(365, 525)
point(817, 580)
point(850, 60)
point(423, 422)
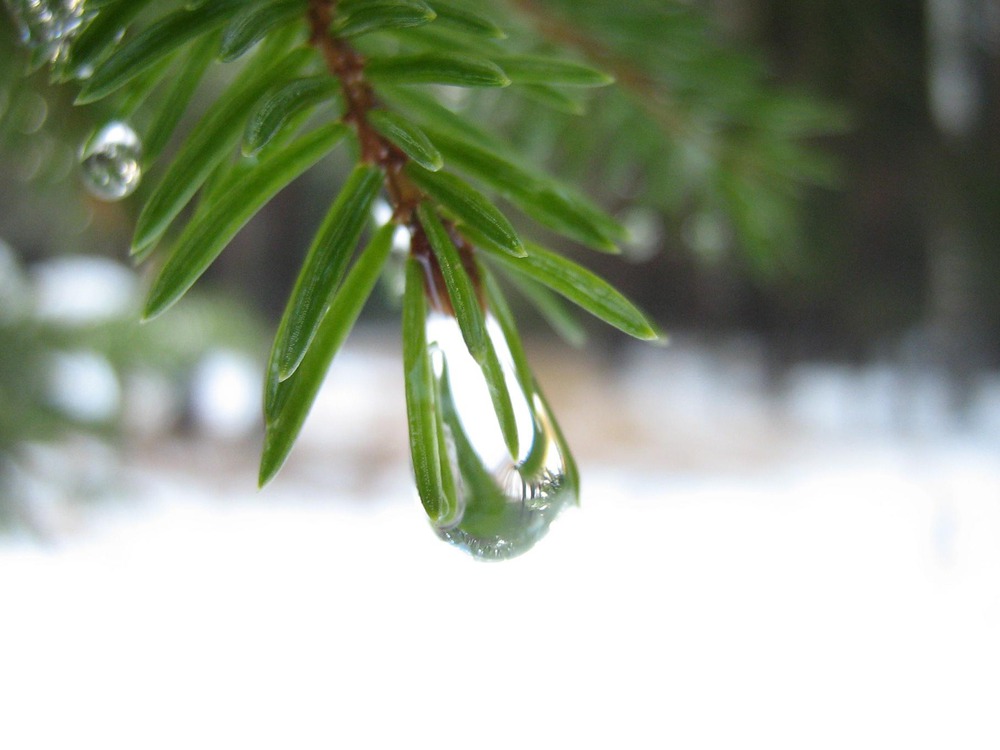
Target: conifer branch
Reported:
point(347, 66)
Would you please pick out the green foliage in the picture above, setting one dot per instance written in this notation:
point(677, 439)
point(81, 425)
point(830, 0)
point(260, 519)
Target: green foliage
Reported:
point(466, 20)
point(548, 71)
point(692, 128)
point(211, 142)
point(442, 68)
point(324, 267)
point(256, 22)
point(173, 104)
point(691, 122)
point(287, 402)
point(469, 207)
point(211, 230)
point(285, 105)
point(579, 285)
point(154, 44)
point(410, 139)
point(421, 411)
point(356, 18)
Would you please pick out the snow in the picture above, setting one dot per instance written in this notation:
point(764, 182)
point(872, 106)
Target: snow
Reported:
point(788, 581)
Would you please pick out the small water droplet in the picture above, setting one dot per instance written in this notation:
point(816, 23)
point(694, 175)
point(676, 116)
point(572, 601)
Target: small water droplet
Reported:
point(110, 162)
point(505, 503)
point(48, 26)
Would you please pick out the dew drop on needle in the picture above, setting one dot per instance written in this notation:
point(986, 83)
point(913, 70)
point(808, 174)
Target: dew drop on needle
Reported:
point(110, 162)
point(504, 503)
point(48, 26)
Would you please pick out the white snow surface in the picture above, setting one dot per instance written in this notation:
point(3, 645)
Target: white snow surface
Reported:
point(746, 572)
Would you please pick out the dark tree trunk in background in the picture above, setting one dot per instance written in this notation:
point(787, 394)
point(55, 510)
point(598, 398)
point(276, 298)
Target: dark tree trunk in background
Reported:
point(963, 41)
point(910, 244)
point(902, 262)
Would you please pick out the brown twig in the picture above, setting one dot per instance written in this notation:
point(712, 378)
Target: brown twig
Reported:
point(348, 66)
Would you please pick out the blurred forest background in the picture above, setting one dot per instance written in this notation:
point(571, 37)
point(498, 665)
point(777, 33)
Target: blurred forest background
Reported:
point(822, 177)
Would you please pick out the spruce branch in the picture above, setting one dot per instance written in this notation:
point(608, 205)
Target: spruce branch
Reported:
point(347, 65)
point(492, 497)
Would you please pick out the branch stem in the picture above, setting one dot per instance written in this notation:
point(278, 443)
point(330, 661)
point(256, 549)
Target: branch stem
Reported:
point(347, 65)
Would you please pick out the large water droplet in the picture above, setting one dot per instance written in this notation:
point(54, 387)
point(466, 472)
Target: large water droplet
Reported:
point(110, 161)
point(47, 26)
point(504, 503)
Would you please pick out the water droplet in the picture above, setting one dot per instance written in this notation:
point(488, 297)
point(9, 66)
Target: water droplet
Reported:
point(110, 161)
point(504, 504)
point(48, 26)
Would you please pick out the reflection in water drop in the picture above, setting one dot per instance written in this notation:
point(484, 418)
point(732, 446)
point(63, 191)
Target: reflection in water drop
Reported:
point(110, 161)
point(504, 504)
point(47, 26)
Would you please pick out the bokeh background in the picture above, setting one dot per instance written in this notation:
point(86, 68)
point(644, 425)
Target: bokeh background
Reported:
point(790, 521)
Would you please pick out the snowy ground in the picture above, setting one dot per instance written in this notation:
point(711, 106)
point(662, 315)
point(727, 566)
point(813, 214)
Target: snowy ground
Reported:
point(814, 569)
